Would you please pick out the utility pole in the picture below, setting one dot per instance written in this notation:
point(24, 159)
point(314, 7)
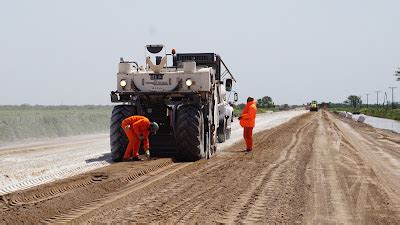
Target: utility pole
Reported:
point(377, 96)
point(385, 99)
point(392, 96)
point(367, 100)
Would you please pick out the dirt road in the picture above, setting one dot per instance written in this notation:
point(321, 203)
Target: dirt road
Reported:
point(30, 164)
point(316, 168)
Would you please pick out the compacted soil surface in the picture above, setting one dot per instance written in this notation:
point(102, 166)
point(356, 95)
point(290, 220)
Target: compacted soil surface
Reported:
point(316, 168)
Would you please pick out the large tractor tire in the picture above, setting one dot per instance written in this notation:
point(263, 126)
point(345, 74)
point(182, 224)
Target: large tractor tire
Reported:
point(118, 139)
point(190, 134)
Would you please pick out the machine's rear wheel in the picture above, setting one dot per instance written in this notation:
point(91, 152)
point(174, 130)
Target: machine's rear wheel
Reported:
point(118, 139)
point(190, 134)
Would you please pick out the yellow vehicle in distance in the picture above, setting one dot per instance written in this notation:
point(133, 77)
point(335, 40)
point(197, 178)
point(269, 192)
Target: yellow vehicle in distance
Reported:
point(313, 106)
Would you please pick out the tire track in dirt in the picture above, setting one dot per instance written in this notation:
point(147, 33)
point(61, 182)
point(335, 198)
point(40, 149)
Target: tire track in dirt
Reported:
point(257, 211)
point(326, 196)
point(29, 198)
point(362, 188)
point(251, 205)
point(64, 195)
point(168, 199)
point(58, 188)
point(188, 217)
point(172, 197)
point(112, 199)
point(195, 193)
point(26, 184)
point(344, 187)
point(381, 159)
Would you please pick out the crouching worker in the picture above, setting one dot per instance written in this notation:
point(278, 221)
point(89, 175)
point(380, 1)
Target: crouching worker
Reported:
point(137, 129)
point(248, 121)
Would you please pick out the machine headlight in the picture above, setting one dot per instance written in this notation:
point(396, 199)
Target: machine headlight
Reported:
point(189, 82)
point(122, 83)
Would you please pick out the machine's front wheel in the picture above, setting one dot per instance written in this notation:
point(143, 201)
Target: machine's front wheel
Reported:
point(190, 134)
point(118, 139)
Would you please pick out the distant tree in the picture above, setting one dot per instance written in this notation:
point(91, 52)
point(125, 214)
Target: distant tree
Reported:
point(353, 100)
point(325, 104)
point(259, 103)
point(265, 102)
point(241, 106)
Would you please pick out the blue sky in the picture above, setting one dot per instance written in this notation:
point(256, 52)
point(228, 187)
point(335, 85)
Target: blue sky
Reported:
point(54, 52)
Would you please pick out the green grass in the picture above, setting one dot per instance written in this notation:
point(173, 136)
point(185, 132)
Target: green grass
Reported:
point(377, 112)
point(25, 122)
point(382, 113)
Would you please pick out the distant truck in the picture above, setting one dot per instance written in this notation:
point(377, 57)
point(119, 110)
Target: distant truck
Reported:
point(314, 106)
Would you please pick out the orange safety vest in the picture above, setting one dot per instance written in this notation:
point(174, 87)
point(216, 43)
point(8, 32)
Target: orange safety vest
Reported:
point(249, 115)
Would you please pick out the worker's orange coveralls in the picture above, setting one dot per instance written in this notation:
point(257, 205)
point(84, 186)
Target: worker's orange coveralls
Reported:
point(139, 127)
point(248, 122)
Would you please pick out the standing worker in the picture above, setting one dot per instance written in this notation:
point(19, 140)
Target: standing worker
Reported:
point(137, 128)
point(248, 121)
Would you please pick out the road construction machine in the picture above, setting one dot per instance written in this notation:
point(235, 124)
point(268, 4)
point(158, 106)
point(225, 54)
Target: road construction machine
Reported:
point(185, 93)
point(313, 106)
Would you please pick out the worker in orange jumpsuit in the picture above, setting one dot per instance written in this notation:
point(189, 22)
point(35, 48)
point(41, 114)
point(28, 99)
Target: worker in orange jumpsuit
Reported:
point(248, 121)
point(137, 128)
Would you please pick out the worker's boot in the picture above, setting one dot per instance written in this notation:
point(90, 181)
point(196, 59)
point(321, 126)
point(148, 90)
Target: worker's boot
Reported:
point(147, 153)
point(136, 159)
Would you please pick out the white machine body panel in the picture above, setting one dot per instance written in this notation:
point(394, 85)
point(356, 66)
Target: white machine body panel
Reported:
point(168, 79)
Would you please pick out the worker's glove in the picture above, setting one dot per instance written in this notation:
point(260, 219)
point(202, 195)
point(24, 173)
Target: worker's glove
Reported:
point(127, 127)
point(147, 153)
point(240, 118)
